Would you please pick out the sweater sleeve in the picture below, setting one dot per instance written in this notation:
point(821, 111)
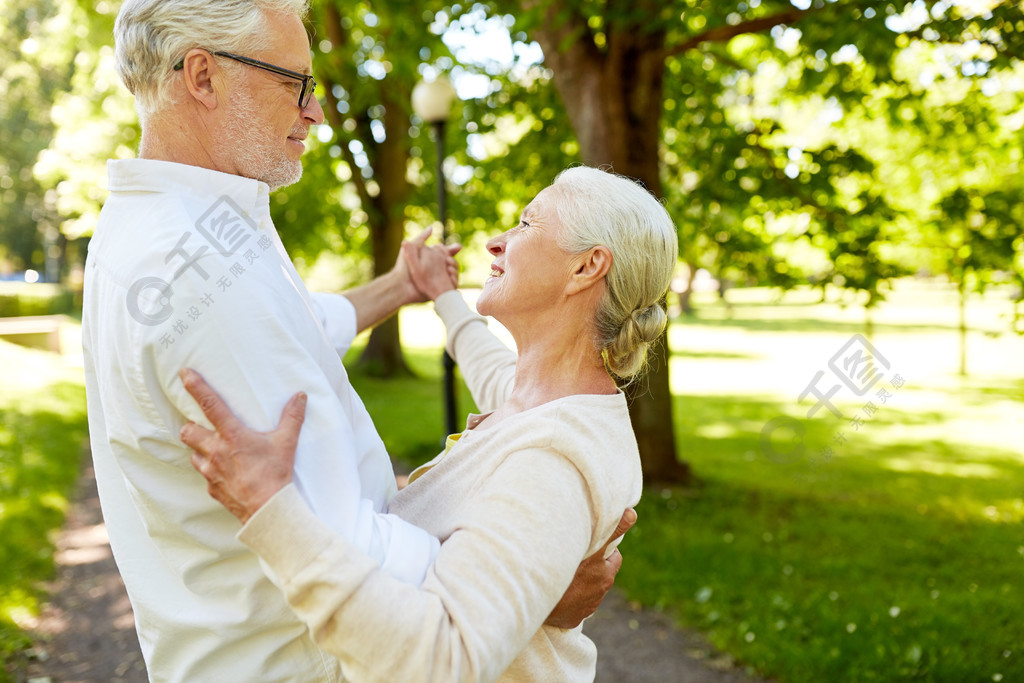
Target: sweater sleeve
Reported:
point(488, 366)
point(495, 581)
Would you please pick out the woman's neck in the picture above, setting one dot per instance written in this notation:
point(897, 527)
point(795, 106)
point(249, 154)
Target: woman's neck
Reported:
point(555, 366)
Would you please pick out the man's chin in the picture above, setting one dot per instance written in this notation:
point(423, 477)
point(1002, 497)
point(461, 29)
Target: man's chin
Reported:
point(283, 177)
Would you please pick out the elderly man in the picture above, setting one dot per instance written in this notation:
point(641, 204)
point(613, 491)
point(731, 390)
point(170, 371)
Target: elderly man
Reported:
point(186, 269)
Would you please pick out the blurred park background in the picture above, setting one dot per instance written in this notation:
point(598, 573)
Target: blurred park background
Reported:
point(845, 176)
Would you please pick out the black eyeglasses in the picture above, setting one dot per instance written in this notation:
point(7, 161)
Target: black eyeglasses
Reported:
point(308, 84)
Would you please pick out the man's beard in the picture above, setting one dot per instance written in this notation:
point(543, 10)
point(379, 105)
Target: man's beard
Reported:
point(257, 154)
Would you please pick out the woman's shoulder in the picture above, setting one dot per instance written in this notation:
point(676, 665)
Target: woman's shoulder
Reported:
point(594, 432)
point(591, 431)
point(593, 416)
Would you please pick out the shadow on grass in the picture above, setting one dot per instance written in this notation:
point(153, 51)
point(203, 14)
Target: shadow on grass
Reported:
point(721, 437)
point(975, 393)
point(890, 559)
point(713, 355)
point(809, 587)
point(809, 324)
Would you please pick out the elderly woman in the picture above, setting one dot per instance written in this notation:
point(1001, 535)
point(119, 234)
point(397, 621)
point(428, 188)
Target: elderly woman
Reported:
point(529, 489)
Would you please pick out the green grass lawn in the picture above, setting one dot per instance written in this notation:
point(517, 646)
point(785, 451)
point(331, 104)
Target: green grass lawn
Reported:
point(898, 559)
point(892, 546)
point(899, 555)
point(42, 439)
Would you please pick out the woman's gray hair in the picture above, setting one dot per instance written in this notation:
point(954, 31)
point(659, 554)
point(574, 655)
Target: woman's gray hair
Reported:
point(596, 208)
point(151, 36)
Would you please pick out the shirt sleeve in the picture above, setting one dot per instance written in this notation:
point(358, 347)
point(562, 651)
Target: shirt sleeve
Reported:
point(488, 366)
point(495, 581)
point(338, 317)
point(260, 341)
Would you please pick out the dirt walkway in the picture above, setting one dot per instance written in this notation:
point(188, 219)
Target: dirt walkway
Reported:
point(87, 632)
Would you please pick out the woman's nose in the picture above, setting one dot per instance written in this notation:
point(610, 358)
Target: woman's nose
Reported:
point(496, 245)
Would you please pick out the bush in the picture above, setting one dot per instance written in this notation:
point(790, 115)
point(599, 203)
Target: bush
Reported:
point(21, 299)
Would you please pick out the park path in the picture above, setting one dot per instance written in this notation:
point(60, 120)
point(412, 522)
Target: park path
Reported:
point(86, 633)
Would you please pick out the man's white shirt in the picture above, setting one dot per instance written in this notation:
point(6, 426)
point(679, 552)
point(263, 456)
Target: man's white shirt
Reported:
point(185, 269)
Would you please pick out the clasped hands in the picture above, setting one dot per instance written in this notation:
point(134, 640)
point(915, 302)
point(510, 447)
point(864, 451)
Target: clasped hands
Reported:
point(430, 269)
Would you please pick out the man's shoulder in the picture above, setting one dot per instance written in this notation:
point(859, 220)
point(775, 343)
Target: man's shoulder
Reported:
point(123, 213)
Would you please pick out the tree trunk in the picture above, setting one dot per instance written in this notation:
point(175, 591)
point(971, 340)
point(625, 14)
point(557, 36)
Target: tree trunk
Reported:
point(384, 207)
point(382, 356)
point(686, 296)
point(614, 101)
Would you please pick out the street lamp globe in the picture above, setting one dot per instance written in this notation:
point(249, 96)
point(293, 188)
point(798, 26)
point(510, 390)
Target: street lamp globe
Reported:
point(432, 101)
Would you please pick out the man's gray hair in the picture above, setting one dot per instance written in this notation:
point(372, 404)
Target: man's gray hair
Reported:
point(151, 36)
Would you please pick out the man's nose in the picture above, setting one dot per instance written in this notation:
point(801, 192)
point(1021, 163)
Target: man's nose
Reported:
point(313, 112)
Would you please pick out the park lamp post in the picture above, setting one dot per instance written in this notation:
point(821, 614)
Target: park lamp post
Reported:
point(432, 102)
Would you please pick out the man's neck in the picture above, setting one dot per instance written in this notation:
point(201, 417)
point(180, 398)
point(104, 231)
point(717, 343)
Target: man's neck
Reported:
point(164, 141)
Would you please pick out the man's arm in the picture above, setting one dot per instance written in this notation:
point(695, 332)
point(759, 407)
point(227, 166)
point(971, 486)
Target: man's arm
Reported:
point(260, 342)
point(378, 300)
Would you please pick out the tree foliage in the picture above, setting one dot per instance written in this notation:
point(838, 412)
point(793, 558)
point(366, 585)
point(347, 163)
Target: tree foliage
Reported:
point(840, 142)
point(65, 113)
point(366, 177)
point(31, 74)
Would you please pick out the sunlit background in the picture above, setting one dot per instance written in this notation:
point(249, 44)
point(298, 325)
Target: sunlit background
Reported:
point(838, 170)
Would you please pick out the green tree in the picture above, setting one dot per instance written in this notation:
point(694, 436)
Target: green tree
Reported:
point(947, 139)
point(93, 118)
point(31, 74)
point(64, 113)
point(984, 237)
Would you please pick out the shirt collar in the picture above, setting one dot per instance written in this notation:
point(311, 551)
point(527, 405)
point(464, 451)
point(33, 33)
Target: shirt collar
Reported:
point(151, 175)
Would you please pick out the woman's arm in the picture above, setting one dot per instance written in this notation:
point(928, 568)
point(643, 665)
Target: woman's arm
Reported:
point(487, 365)
point(486, 595)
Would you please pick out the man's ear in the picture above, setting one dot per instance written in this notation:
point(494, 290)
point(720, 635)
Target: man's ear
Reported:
point(199, 68)
point(589, 269)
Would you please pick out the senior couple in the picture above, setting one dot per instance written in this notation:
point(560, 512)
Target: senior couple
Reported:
point(192, 305)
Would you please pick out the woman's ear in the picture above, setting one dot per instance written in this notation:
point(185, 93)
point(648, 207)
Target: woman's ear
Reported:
point(590, 268)
point(199, 68)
